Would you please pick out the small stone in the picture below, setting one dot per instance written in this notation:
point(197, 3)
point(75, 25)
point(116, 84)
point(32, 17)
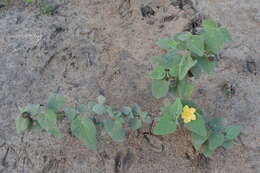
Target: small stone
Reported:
point(19, 20)
point(118, 162)
point(128, 160)
point(257, 16)
point(2, 140)
point(147, 11)
point(2, 5)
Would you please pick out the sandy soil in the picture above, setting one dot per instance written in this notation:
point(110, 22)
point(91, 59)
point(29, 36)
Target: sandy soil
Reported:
point(92, 47)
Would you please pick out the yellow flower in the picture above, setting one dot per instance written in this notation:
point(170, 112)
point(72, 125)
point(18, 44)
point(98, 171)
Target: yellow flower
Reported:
point(188, 114)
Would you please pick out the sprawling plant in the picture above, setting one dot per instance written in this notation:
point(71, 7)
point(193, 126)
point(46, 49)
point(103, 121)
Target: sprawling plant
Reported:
point(83, 119)
point(186, 55)
point(189, 55)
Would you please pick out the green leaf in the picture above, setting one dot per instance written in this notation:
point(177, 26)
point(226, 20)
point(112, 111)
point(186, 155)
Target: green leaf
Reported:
point(84, 129)
point(197, 126)
point(232, 131)
point(173, 91)
point(206, 150)
point(160, 88)
point(131, 115)
point(206, 65)
point(70, 113)
point(185, 65)
point(126, 110)
point(182, 46)
point(158, 73)
point(99, 109)
point(167, 61)
point(22, 123)
point(176, 108)
point(136, 109)
point(226, 35)
point(182, 36)
point(101, 100)
point(166, 43)
point(198, 140)
point(217, 123)
point(164, 125)
point(174, 71)
point(184, 89)
point(145, 117)
point(115, 129)
point(215, 41)
point(196, 70)
point(55, 102)
point(48, 121)
point(196, 45)
point(135, 123)
point(228, 144)
point(81, 108)
point(173, 110)
point(32, 109)
point(209, 25)
point(216, 140)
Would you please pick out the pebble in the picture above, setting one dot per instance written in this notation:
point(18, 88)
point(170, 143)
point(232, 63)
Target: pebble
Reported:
point(257, 16)
point(2, 140)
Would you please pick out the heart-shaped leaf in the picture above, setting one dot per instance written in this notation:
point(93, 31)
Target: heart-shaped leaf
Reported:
point(232, 132)
point(206, 150)
point(55, 102)
point(135, 123)
point(206, 65)
point(81, 108)
point(160, 88)
point(48, 121)
point(196, 45)
point(22, 123)
point(115, 129)
point(70, 113)
point(84, 129)
point(209, 25)
point(216, 140)
point(165, 125)
point(197, 126)
point(184, 89)
point(198, 140)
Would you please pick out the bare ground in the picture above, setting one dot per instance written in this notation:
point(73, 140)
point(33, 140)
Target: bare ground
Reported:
point(92, 47)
